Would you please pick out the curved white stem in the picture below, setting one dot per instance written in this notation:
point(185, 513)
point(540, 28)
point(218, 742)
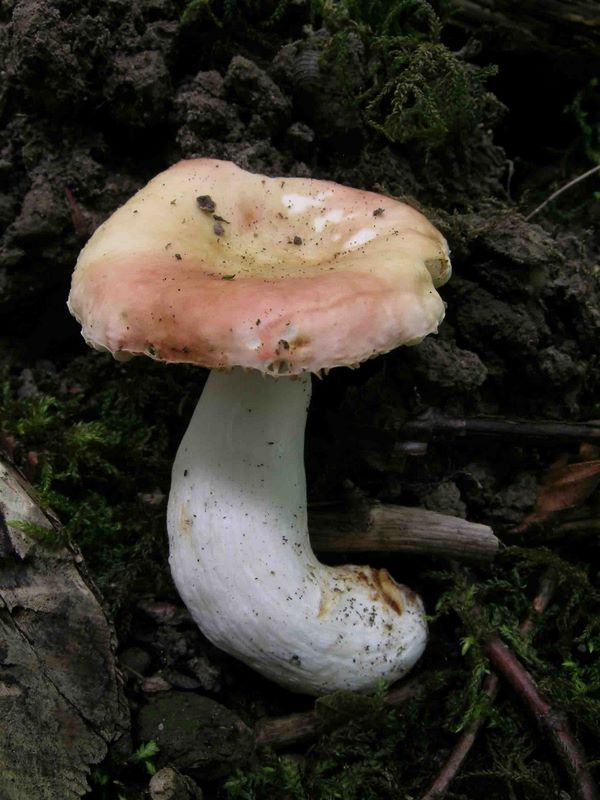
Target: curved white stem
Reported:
point(241, 556)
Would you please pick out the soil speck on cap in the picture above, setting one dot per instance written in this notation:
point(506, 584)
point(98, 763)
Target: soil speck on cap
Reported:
point(206, 203)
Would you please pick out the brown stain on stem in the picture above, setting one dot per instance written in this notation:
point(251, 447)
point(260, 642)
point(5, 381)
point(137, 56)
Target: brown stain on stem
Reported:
point(323, 605)
point(389, 591)
point(384, 588)
point(185, 523)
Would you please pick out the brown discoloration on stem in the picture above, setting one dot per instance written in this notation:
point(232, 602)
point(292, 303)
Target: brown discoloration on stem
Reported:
point(324, 604)
point(185, 523)
point(389, 590)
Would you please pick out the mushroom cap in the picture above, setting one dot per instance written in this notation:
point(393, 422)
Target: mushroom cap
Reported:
point(212, 265)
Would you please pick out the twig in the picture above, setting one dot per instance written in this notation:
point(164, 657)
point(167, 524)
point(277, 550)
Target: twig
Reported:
point(461, 749)
point(580, 526)
point(561, 190)
point(375, 527)
point(490, 688)
point(281, 732)
point(555, 723)
point(78, 218)
point(544, 432)
point(540, 602)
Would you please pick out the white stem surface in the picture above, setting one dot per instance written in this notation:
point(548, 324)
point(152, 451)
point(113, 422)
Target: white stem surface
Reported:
point(241, 557)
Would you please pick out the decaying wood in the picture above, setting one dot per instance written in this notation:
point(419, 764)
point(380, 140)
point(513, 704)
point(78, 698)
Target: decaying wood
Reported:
point(378, 527)
point(60, 696)
point(281, 732)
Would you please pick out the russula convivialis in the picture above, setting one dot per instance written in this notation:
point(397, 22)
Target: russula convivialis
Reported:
point(249, 275)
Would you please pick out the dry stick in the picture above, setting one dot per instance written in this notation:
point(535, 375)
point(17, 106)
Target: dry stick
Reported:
point(555, 723)
point(537, 25)
point(561, 190)
point(490, 688)
point(80, 223)
point(513, 671)
point(281, 732)
point(461, 749)
point(375, 527)
point(579, 525)
point(542, 432)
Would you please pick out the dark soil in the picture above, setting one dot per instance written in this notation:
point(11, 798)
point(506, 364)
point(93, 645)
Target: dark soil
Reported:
point(95, 98)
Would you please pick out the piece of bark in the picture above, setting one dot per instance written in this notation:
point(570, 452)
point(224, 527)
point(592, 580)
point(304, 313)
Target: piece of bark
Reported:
point(375, 527)
point(281, 732)
point(61, 702)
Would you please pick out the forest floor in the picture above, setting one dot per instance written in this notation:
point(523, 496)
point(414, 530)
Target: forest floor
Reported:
point(394, 96)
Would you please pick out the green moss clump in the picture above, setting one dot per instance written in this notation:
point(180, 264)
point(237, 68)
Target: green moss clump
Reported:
point(97, 440)
point(417, 91)
point(585, 112)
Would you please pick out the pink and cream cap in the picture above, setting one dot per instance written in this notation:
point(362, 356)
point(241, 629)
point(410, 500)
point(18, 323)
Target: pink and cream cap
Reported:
point(212, 265)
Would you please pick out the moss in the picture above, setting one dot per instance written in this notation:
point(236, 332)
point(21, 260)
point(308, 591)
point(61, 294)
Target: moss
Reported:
point(199, 11)
point(281, 775)
point(97, 441)
point(417, 91)
point(585, 112)
point(105, 434)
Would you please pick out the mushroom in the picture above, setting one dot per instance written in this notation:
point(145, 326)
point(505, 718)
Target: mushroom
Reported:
point(300, 275)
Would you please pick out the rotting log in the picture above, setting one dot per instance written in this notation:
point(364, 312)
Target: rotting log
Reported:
point(377, 527)
point(61, 702)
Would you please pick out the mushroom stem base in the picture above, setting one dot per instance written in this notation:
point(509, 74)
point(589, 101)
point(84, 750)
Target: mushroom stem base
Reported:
point(241, 557)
